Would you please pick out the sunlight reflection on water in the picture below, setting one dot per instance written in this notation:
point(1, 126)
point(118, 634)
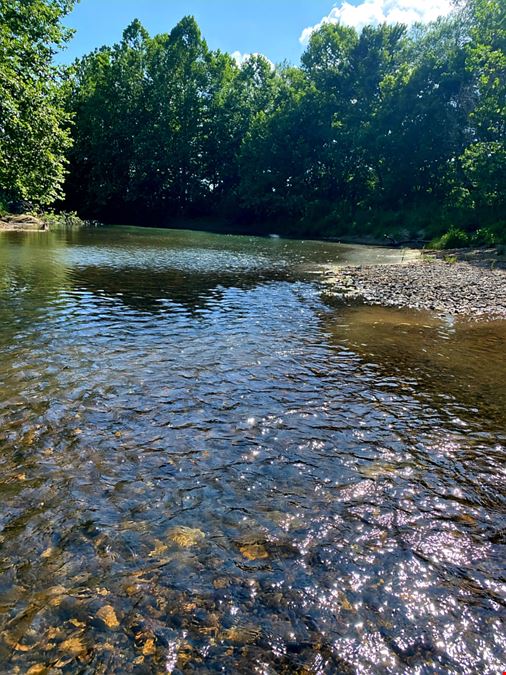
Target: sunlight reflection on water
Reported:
point(207, 468)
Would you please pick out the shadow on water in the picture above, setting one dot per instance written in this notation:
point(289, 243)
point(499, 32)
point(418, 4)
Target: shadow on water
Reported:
point(170, 289)
point(203, 466)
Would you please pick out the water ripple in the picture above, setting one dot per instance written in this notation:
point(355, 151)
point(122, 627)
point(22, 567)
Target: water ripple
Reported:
point(205, 469)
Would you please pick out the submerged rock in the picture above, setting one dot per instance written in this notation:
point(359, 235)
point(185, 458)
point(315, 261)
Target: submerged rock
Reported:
point(74, 646)
point(108, 616)
point(254, 551)
point(246, 634)
point(186, 537)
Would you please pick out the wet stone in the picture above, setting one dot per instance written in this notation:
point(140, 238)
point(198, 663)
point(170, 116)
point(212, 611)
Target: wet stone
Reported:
point(186, 537)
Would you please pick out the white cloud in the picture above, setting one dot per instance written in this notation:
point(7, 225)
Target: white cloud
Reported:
point(381, 11)
point(240, 58)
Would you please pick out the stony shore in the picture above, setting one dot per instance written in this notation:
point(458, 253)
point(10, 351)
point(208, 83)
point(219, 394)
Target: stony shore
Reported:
point(24, 223)
point(462, 283)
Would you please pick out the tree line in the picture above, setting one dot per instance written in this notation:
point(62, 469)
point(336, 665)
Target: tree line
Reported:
point(387, 130)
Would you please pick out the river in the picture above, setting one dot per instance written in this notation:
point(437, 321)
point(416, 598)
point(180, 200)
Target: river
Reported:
point(207, 464)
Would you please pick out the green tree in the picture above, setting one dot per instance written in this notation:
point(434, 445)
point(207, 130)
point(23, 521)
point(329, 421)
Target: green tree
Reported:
point(391, 126)
point(150, 137)
point(34, 134)
point(267, 186)
point(178, 95)
point(481, 170)
point(423, 118)
point(107, 101)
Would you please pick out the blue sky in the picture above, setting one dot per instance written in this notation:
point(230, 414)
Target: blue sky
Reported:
point(271, 27)
point(275, 28)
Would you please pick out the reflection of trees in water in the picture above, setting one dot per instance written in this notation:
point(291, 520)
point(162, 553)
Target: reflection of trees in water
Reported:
point(30, 261)
point(152, 290)
point(32, 273)
point(33, 269)
point(457, 367)
point(33, 276)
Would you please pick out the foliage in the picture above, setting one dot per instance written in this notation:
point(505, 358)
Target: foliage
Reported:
point(386, 131)
point(34, 132)
point(454, 238)
point(159, 124)
point(484, 236)
point(63, 220)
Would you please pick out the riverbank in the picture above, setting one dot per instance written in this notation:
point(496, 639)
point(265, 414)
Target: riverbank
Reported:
point(22, 223)
point(461, 283)
point(27, 222)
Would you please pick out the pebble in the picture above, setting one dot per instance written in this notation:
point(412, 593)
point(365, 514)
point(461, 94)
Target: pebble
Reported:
point(456, 288)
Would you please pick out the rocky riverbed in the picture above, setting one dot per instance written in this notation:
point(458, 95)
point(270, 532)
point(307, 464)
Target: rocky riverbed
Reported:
point(466, 283)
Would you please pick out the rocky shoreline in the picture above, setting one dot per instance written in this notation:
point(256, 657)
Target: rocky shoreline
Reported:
point(27, 222)
point(22, 223)
point(470, 284)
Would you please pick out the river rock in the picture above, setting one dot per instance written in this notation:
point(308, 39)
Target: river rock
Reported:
point(23, 222)
point(475, 287)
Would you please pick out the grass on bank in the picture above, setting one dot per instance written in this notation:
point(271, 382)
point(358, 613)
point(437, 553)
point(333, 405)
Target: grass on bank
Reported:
point(459, 238)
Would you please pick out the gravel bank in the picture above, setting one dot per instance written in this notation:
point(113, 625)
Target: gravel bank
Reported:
point(476, 289)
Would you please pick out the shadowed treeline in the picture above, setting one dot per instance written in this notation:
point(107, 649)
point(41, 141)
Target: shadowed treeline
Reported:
point(388, 130)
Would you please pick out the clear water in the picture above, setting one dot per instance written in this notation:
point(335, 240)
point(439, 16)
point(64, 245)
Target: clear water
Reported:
point(207, 465)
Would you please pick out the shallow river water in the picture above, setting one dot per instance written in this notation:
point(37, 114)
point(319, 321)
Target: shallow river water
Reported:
point(209, 465)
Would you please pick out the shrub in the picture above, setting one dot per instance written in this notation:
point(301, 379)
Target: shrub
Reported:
point(454, 238)
point(63, 220)
point(484, 237)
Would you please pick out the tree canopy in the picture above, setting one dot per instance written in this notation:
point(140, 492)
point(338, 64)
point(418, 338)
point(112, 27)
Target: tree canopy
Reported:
point(385, 129)
point(34, 125)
